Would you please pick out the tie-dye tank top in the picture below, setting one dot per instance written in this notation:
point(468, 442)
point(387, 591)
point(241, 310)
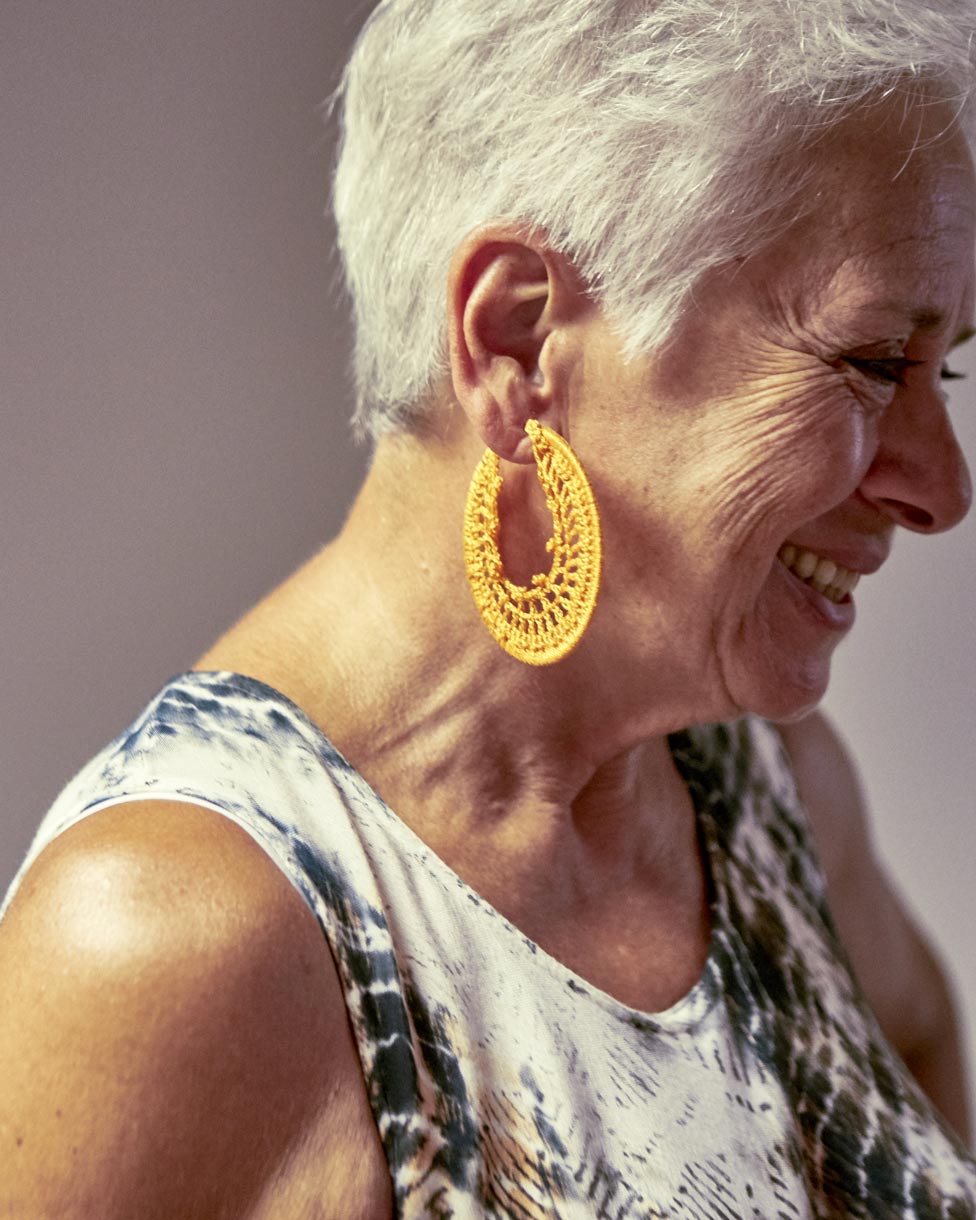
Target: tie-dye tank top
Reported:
point(502, 1084)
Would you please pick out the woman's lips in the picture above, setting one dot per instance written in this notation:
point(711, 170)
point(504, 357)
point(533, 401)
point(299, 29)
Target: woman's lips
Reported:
point(823, 575)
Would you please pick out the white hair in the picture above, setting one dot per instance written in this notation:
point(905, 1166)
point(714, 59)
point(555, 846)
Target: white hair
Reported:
point(649, 140)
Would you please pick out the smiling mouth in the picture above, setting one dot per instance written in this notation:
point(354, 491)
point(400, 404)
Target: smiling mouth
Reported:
point(827, 577)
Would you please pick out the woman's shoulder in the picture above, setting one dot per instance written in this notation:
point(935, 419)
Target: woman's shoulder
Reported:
point(157, 867)
point(216, 740)
point(172, 1022)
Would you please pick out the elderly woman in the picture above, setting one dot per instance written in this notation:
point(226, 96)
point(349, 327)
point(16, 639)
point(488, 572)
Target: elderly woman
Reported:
point(467, 876)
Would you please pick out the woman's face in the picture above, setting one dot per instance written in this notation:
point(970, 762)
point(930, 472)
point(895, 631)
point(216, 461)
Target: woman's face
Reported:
point(751, 471)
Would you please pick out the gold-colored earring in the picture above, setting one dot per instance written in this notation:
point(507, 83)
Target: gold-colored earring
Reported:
point(544, 621)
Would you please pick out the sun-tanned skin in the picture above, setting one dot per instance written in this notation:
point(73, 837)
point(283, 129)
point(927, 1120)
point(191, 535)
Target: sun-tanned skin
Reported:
point(173, 1038)
point(134, 1085)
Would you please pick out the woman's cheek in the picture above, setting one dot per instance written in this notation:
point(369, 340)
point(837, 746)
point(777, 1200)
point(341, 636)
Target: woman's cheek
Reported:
point(828, 438)
point(797, 455)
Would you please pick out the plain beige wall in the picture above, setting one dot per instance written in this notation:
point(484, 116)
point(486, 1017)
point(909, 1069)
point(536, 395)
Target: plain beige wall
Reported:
point(173, 389)
point(173, 405)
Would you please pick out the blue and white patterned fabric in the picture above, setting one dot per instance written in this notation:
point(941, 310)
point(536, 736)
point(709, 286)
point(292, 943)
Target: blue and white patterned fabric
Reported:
point(505, 1086)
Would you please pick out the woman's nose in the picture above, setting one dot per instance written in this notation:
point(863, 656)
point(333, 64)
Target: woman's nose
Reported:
point(919, 477)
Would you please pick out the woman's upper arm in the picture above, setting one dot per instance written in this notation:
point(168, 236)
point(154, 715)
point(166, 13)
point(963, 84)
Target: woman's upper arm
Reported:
point(166, 1001)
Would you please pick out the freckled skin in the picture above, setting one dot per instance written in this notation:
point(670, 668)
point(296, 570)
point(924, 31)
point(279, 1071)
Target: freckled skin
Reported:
point(753, 429)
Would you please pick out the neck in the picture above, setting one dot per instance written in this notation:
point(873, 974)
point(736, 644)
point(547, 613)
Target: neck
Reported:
point(379, 640)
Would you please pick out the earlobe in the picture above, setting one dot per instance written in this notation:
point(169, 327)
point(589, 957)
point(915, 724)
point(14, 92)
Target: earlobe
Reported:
point(499, 308)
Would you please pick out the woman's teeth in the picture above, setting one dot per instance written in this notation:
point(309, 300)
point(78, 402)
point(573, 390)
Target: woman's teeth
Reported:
point(827, 577)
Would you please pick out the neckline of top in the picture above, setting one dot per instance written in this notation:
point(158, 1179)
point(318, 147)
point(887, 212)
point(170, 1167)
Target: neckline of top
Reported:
point(689, 1010)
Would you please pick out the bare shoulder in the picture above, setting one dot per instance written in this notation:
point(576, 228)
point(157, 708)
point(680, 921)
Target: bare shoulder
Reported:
point(173, 1028)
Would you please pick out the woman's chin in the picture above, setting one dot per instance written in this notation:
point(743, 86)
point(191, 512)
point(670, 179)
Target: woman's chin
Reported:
point(779, 658)
point(786, 693)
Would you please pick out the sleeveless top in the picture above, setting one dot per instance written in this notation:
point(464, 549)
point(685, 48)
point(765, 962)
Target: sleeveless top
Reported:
point(505, 1086)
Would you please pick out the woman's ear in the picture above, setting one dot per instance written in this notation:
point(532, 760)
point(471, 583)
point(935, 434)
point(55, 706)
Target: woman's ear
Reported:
point(509, 302)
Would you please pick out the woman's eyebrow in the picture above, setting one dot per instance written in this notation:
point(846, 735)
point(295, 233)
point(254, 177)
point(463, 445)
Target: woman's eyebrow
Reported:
point(926, 318)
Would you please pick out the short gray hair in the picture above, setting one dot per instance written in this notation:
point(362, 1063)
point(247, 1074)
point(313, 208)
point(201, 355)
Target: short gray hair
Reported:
point(649, 140)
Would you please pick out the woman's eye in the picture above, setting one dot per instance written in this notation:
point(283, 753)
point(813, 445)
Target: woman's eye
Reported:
point(890, 371)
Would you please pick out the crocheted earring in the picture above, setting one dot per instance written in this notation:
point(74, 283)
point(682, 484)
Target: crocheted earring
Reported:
point(543, 622)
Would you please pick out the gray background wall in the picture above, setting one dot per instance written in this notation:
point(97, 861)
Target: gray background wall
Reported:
point(173, 406)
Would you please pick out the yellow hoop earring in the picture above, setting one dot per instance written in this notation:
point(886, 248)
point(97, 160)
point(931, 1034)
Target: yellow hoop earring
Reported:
point(543, 622)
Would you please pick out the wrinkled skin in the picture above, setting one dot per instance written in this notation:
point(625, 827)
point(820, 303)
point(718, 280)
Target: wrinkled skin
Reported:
point(784, 410)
